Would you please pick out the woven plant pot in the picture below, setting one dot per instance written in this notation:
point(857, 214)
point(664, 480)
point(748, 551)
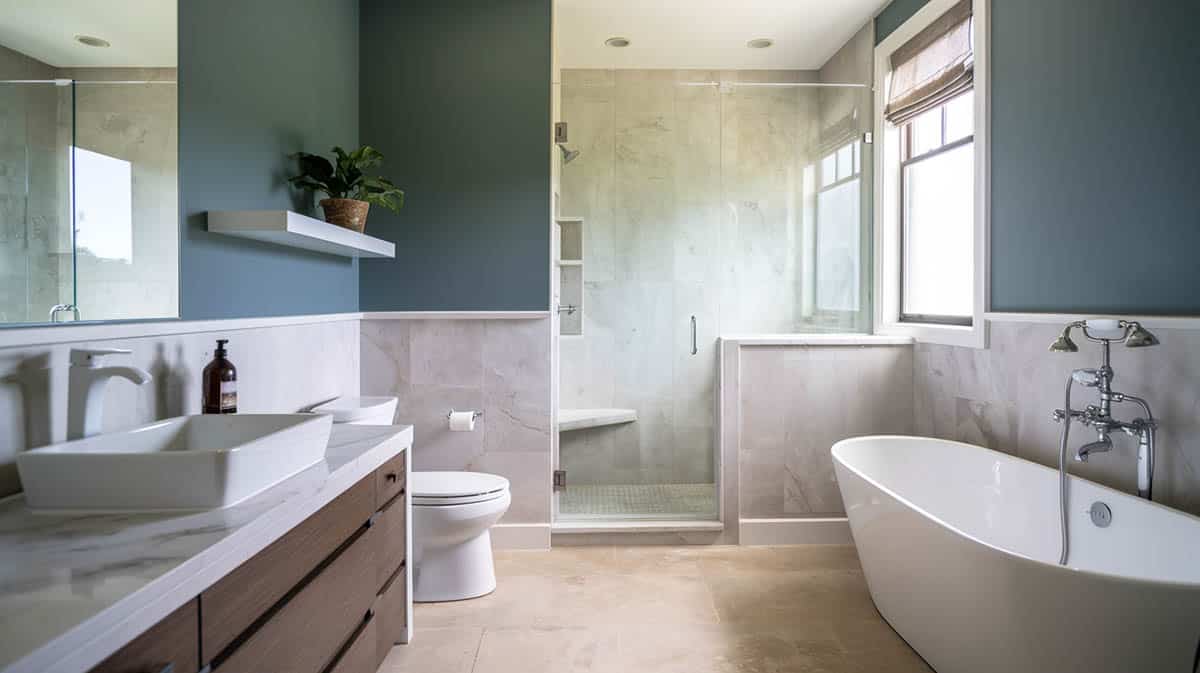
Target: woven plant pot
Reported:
point(348, 213)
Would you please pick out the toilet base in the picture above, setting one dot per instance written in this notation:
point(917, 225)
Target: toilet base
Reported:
point(455, 572)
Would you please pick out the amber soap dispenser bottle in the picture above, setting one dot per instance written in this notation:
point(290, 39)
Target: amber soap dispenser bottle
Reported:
point(220, 383)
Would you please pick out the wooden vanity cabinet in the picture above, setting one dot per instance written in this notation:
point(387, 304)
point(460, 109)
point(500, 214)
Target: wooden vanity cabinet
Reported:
point(329, 596)
point(170, 645)
point(232, 605)
point(391, 607)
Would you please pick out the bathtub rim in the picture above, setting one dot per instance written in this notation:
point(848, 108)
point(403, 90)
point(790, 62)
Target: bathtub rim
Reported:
point(1016, 555)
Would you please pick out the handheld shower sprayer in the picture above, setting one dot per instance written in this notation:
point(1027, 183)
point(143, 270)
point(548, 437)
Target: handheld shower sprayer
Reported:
point(1099, 416)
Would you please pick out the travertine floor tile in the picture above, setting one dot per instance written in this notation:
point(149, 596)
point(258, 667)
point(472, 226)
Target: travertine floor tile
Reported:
point(547, 650)
point(717, 560)
point(558, 561)
point(793, 597)
point(445, 650)
point(663, 610)
point(658, 560)
point(581, 600)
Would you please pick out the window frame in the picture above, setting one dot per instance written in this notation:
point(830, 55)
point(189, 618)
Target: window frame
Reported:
point(888, 185)
point(906, 160)
point(824, 318)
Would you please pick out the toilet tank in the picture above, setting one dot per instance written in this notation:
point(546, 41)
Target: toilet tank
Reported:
point(360, 410)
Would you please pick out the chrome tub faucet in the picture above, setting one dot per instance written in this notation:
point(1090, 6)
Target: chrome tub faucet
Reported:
point(1099, 416)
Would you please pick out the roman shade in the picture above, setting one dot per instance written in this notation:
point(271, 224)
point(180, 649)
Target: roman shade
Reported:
point(934, 66)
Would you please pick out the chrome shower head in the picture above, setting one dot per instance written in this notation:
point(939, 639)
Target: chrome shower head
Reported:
point(568, 155)
point(1139, 337)
point(1063, 343)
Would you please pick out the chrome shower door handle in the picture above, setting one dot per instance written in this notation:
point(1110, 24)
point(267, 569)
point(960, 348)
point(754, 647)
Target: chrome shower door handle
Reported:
point(694, 348)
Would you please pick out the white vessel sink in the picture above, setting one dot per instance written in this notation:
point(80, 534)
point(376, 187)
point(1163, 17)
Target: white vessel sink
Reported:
point(185, 463)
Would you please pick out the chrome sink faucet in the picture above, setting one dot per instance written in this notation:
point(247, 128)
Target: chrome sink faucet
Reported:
point(86, 384)
point(1099, 416)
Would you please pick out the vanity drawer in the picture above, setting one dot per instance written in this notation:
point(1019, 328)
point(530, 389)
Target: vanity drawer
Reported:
point(392, 523)
point(241, 597)
point(391, 613)
point(359, 657)
point(390, 479)
point(171, 642)
point(307, 631)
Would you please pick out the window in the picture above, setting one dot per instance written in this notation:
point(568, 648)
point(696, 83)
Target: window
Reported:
point(103, 205)
point(937, 175)
point(838, 224)
point(930, 179)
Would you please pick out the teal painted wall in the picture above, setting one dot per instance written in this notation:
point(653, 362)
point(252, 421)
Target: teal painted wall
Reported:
point(894, 15)
point(456, 94)
point(1095, 183)
point(260, 80)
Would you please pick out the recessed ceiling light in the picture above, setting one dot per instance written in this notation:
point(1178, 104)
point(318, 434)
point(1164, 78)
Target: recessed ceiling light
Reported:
point(760, 43)
point(617, 42)
point(91, 41)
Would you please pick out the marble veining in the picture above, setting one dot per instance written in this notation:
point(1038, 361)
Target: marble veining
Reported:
point(500, 367)
point(74, 588)
point(794, 403)
point(1002, 397)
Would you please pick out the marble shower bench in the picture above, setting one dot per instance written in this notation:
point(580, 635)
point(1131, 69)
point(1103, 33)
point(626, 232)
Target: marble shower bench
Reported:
point(578, 419)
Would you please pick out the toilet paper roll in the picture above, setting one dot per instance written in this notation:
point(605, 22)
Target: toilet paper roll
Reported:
point(462, 421)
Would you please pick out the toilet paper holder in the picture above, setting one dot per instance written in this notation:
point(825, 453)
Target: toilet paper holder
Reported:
point(474, 414)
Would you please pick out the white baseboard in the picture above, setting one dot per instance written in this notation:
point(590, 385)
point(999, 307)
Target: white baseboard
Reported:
point(833, 530)
point(521, 536)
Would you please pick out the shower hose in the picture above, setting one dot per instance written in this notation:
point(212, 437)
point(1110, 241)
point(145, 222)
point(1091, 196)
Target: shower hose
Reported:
point(1062, 471)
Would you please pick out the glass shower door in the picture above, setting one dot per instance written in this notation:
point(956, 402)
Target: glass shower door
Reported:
point(646, 187)
point(711, 203)
point(37, 270)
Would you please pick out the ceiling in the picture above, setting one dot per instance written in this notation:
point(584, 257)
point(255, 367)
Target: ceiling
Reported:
point(708, 34)
point(142, 32)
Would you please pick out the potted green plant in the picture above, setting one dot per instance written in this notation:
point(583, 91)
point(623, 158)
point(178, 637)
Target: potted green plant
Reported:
point(351, 192)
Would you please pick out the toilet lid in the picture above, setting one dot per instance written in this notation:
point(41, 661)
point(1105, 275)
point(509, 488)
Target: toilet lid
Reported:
point(455, 488)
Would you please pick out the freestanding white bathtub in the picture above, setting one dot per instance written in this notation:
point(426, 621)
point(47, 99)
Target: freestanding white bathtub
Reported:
point(960, 545)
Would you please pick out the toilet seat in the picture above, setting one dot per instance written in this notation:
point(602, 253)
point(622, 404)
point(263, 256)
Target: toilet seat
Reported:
point(433, 489)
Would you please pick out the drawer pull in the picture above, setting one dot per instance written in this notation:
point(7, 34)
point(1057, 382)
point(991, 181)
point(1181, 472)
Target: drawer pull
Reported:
point(390, 477)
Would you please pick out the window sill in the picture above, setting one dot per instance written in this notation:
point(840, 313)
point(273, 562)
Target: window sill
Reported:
point(973, 336)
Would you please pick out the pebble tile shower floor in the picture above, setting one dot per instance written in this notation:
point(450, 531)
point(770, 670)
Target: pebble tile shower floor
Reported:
point(802, 609)
point(616, 501)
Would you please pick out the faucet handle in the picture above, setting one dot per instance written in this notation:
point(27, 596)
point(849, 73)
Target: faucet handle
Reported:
point(89, 357)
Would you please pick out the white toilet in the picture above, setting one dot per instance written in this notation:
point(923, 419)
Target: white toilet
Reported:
point(452, 515)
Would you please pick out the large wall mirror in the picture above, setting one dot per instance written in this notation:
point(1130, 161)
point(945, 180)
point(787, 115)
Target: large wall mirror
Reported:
point(89, 195)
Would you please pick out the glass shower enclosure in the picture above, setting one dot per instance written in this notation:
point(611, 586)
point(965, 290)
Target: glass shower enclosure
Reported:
point(88, 199)
point(37, 271)
point(707, 204)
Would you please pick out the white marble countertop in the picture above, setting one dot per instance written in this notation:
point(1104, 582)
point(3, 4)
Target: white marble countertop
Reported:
point(74, 589)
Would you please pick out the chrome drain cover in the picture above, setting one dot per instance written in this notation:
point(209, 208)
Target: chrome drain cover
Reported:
point(1101, 514)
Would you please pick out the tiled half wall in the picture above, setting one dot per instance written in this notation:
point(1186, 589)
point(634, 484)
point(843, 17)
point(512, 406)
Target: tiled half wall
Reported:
point(499, 367)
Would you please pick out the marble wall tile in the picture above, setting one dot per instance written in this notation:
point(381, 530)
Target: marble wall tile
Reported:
point(795, 402)
point(500, 367)
point(1002, 398)
point(280, 369)
point(691, 206)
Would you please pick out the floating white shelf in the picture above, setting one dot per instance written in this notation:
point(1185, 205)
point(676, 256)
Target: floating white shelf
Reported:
point(284, 227)
point(578, 419)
